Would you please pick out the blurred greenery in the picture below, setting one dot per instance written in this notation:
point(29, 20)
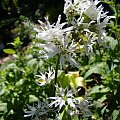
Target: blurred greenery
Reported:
point(14, 12)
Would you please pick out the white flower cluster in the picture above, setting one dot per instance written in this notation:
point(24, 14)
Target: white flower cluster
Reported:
point(65, 98)
point(57, 40)
point(86, 18)
point(89, 17)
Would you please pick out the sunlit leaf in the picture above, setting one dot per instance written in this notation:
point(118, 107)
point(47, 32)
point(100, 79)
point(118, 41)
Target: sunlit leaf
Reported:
point(3, 106)
point(17, 40)
point(32, 98)
point(78, 81)
point(9, 51)
point(102, 98)
point(64, 115)
point(115, 114)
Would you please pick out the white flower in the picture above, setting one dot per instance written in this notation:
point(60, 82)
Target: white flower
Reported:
point(52, 32)
point(71, 103)
point(58, 101)
point(57, 41)
point(63, 98)
point(66, 50)
point(90, 8)
point(81, 6)
point(68, 7)
point(46, 77)
point(100, 28)
point(91, 41)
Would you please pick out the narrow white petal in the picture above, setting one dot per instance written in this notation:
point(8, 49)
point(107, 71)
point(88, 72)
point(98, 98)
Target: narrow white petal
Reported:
point(58, 21)
point(72, 61)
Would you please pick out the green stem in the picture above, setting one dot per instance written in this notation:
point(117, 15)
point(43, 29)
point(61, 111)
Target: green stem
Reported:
point(56, 72)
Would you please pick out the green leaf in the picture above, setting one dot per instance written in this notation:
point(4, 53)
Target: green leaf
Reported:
point(112, 42)
point(115, 114)
point(32, 62)
point(9, 51)
point(75, 117)
point(102, 99)
point(3, 106)
point(104, 109)
point(17, 40)
point(99, 89)
point(20, 82)
point(77, 82)
point(64, 115)
point(62, 79)
point(32, 98)
point(99, 68)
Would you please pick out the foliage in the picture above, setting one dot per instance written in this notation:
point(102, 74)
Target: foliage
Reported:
point(18, 85)
point(37, 83)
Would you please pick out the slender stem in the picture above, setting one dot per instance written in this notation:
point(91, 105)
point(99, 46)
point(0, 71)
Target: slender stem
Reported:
point(56, 72)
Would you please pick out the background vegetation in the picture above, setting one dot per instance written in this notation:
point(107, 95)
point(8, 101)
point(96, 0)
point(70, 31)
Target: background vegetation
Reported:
point(18, 75)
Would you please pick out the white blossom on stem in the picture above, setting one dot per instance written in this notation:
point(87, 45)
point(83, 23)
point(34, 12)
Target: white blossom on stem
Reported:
point(57, 40)
point(46, 78)
point(50, 32)
point(65, 97)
